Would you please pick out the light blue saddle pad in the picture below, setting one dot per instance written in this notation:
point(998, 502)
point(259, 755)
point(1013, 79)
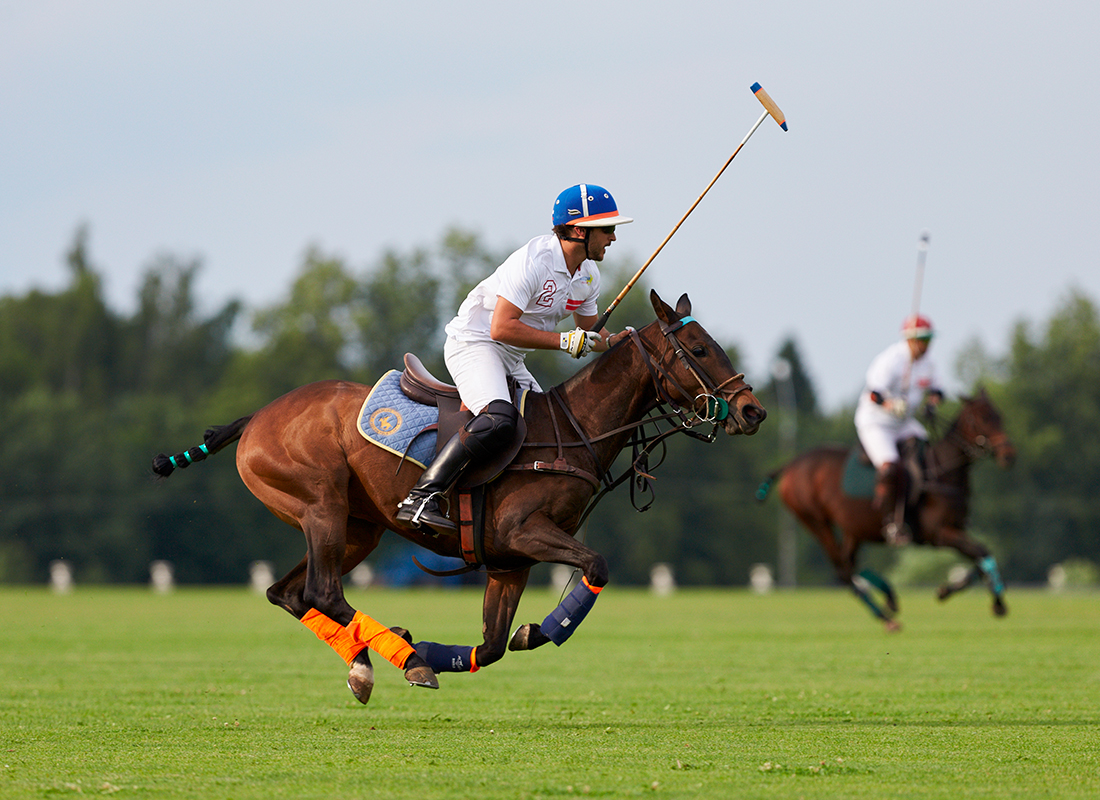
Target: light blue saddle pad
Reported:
point(391, 420)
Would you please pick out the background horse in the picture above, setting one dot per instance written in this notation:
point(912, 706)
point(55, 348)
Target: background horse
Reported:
point(303, 458)
point(811, 487)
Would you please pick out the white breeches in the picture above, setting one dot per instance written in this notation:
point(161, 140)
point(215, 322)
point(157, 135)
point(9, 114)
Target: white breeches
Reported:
point(881, 440)
point(481, 369)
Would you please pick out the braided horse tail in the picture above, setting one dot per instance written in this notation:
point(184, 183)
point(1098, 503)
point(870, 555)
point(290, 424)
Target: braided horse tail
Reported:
point(766, 485)
point(212, 441)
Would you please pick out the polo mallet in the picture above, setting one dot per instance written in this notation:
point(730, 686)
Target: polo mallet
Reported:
point(922, 251)
point(770, 108)
point(918, 284)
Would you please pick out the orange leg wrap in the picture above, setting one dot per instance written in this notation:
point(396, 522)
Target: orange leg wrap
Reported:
point(334, 635)
point(380, 639)
point(361, 632)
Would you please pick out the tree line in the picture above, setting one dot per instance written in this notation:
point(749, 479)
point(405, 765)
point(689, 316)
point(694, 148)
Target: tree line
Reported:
point(88, 395)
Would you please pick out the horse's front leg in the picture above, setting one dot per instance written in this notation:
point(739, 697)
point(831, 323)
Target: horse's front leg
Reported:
point(502, 593)
point(985, 566)
point(542, 540)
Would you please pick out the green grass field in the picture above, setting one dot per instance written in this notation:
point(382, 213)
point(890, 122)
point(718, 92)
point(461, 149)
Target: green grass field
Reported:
point(213, 693)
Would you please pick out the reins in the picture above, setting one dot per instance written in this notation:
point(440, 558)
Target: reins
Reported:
point(968, 453)
point(643, 444)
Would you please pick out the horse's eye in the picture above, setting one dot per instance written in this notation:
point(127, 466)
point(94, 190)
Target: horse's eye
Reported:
point(698, 351)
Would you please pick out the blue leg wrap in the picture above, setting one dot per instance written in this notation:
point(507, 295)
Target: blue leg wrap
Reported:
point(564, 619)
point(988, 565)
point(446, 657)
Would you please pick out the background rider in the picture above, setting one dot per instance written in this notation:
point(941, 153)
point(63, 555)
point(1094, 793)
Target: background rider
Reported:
point(899, 379)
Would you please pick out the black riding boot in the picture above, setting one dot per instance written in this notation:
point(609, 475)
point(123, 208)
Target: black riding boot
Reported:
point(886, 502)
point(482, 438)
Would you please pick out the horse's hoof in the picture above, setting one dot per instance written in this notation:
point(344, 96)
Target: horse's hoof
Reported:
point(999, 607)
point(418, 673)
point(527, 637)
point(361, 678)
point(944, 592)
point(892, 626)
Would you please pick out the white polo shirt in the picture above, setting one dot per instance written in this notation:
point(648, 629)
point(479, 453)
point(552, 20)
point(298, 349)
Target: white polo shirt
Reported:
point(892, 374)
point(535, 279)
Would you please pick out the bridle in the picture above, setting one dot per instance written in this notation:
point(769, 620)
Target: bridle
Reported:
point(970, 450)
point(714, 408)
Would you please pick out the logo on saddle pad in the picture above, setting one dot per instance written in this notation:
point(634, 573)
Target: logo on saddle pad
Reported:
point(385, 421)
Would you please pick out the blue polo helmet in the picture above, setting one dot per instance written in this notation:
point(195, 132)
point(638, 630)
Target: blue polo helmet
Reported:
point(587, 206)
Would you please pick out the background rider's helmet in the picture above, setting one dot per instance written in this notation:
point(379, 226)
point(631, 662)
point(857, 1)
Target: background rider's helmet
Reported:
point(917, 327)
point(587, 206)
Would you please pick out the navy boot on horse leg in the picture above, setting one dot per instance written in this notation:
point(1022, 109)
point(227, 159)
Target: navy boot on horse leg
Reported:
point(886, 502)
point(482, 438)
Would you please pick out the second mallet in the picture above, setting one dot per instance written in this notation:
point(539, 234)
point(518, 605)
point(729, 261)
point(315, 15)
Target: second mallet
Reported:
point(770, 109)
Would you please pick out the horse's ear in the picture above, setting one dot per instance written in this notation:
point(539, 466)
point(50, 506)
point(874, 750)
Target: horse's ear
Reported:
point(661, 308)
point(683, 305)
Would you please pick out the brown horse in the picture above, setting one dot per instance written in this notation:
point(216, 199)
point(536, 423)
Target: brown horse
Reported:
point(303, 458)
point(811, 487)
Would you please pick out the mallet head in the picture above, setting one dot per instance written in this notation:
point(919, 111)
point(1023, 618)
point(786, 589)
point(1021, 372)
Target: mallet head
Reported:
point(769, 104)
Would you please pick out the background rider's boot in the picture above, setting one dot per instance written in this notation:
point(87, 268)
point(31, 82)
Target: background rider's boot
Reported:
point(886, 502)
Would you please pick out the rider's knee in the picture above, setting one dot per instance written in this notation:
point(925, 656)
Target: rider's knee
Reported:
point(492, 429)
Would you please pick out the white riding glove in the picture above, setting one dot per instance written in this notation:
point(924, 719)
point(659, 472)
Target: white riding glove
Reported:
point(899, 407)
point(579, 343)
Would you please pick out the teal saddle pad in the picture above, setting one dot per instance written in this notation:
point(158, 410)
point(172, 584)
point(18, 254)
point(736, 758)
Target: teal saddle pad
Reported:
point(859, 476)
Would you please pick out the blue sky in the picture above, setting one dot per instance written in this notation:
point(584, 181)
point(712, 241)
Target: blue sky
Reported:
point(242, 133)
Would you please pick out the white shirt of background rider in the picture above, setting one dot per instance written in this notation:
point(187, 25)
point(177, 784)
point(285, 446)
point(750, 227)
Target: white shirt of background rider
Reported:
point(894, 374)
point(535, 279)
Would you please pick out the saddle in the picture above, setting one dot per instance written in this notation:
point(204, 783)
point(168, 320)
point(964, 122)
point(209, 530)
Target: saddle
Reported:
point(859, 478)
point(911, 474)
point(422, 387)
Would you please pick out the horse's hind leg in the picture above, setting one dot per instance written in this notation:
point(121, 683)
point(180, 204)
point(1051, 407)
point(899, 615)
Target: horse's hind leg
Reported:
point(844, 564)
point(313, 593)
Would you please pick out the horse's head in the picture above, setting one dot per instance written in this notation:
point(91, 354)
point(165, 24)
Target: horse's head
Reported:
point(698, 374)
point(979, 425)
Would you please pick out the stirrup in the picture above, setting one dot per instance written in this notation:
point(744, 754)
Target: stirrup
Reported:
point(437, 518)
point(896, 535)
